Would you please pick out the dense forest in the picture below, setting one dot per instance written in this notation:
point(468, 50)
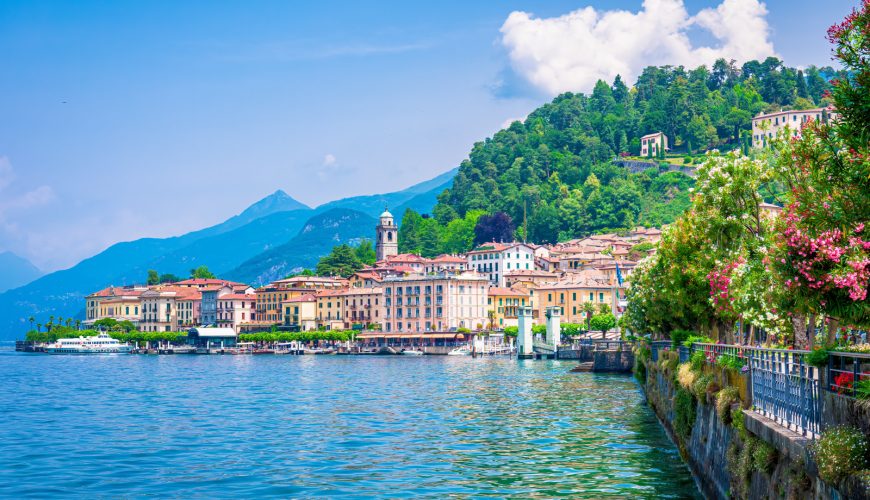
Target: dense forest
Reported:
point(553, 175)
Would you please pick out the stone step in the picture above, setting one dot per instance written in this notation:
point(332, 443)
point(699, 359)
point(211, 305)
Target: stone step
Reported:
point(583, 367)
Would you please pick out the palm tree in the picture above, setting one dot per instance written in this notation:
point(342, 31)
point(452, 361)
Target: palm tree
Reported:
point(589, 309)
point(78, 324)
point(50, 323)
point(68, 322)
point(31, 319)
point(38, 326)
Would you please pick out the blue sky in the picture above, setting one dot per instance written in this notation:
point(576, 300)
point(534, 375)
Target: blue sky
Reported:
point(130, 119)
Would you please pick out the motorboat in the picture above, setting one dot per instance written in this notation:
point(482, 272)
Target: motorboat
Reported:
point(412, 352)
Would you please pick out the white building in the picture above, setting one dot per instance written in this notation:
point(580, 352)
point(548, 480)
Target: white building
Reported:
point(651, 144)
point(493, 260)
point(765, 127)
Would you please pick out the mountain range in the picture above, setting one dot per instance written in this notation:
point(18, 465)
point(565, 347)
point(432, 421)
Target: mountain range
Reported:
point(16, 271)
point(271, 238)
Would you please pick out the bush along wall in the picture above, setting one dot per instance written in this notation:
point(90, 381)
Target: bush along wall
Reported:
point(703, 407)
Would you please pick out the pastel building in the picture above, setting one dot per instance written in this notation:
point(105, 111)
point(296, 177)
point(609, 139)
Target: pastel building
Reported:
point(494, 260)
point(766, 127)
point(651, 144)
point(503, 305)
point(363, 306)
point(235, 310)
point(441, 302)
point(118, 303)
point(160, 308)
point(301, 312)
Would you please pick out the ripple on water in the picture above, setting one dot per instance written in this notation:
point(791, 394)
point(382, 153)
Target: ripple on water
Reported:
point(221, 426)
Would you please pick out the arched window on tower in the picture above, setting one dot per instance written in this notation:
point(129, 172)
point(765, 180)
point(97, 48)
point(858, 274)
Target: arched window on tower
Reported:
point(390, 235)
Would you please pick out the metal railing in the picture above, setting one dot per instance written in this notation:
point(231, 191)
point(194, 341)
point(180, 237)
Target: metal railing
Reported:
point(786, 389)
point(845, 370)
point(658, 345)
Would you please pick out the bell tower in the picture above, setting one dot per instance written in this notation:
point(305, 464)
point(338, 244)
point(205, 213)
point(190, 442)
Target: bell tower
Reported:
point(388, 236)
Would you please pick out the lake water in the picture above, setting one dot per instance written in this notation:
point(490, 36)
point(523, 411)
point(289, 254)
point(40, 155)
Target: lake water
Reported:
point(333, 426)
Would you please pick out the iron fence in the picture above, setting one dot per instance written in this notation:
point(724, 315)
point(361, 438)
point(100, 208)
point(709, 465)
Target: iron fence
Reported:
point(658, 345)
point(845, 370)
point(785, 388)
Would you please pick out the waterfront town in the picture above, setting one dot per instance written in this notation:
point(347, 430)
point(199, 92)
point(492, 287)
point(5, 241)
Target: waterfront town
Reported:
point(401, 296)
point(722, 259)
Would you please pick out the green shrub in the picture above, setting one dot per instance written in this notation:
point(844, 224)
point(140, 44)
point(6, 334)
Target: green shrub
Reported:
point(644, 353)
point(699, 388)
point(818, 357)
point(840, 451)
point(697, 339)
point(862, 389)
point(684, 413)
point(764, 457)
point(730, 362)
point(697, 360)
point(726, 397)
point(640, 371)
point(679, 336)
point(745, 464)
point(738, 423)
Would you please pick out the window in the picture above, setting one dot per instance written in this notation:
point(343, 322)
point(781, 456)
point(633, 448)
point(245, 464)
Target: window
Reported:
point(574, 296)
point(601, 296)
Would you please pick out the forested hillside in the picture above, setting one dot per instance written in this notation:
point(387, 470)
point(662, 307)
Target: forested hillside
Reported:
point(556, 168)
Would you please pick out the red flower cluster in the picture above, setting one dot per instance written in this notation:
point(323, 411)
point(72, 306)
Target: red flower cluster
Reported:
point(720, 280)
point(822, 263)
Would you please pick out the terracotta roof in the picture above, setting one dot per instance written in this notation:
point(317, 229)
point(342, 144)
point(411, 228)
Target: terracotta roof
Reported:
point(302, 298)
point(500, 291)
point(406, 257)
point(238, 296)
point(363, 291)
point(450, 259)
point(329, 293)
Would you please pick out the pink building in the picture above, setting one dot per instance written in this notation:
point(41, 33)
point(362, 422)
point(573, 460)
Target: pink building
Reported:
point(235, 310)
point(440, 302)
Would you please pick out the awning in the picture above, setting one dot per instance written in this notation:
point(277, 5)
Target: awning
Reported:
point(409, 335)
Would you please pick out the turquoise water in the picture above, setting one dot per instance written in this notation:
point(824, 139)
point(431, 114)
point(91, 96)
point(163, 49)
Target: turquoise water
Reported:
point(333, 426)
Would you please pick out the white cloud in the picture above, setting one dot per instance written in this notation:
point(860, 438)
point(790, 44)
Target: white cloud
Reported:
point(573, 51)
point(329, 160)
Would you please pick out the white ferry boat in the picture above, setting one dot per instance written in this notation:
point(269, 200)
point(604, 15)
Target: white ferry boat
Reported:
point(101, 344)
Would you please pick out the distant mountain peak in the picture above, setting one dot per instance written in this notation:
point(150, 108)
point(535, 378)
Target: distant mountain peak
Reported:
point(16, 271)
point(279, 201)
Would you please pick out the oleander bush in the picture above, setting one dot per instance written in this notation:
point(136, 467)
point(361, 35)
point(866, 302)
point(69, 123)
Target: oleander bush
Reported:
point(839, 452)
point(684, 413)
point(764, 457)
point(724, 400)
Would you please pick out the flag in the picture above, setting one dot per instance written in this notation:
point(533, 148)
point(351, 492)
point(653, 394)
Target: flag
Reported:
point(618, 274)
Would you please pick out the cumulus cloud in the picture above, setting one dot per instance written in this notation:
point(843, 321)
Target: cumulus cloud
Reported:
point(329, 160)
point(573, 51)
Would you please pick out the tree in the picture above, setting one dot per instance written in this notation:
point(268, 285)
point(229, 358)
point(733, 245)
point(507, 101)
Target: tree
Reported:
point(341, 261)
point(201, 272)
point(602, 322)
point(497, 227)
point(169, 278)
point(365, 252)
point(409, 237)
point(31, 320)
point(153, 277)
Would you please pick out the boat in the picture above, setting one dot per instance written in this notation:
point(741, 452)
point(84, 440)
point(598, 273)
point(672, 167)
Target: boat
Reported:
point(412, 352)
point(264, 351)
point(101, 344)
point(460, 351)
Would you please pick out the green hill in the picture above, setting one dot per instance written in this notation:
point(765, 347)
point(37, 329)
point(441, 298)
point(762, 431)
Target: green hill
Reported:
point(556, 167)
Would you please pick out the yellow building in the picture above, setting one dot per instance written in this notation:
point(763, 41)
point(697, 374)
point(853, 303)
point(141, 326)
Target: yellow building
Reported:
point(301, 312)
point(572, 296)
point(330, 309)
point(119, 303)
point(502, 305)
